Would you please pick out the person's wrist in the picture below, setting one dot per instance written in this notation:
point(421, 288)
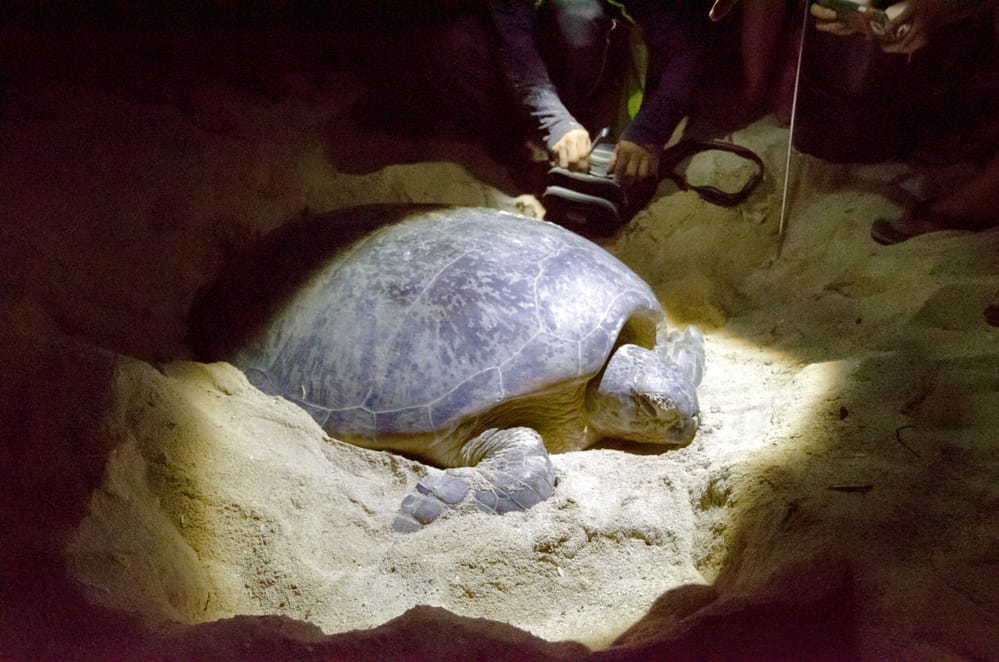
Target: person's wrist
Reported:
point(556, 137)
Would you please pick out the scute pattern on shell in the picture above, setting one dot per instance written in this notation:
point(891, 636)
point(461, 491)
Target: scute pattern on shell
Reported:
point(443, 316)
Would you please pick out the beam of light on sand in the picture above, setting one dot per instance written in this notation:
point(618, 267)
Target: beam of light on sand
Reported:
point(220, 501)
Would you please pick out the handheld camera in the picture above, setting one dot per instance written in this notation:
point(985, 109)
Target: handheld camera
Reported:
point(860, 15)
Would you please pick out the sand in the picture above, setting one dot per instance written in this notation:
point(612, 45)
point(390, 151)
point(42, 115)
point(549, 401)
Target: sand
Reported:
point(841, 496)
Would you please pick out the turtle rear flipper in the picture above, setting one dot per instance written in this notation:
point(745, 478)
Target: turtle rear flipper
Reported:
point(512, 471)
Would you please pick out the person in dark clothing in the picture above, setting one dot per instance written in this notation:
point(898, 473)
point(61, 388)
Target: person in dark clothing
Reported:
point(562, 66)
point(503, 71)
point(973, 205)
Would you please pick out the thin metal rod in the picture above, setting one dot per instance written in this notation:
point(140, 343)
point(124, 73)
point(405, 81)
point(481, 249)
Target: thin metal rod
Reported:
point(790, 132)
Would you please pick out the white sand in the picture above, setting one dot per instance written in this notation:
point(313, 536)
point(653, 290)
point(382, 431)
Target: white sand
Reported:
point(850, 405)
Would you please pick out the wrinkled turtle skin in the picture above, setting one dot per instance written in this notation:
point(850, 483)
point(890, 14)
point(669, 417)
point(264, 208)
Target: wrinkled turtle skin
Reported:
point(472, 339)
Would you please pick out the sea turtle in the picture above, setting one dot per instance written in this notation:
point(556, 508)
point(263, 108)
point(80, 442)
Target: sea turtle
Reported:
point(469, 338)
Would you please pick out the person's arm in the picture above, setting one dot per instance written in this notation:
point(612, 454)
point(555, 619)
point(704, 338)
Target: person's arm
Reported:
point(677, 43)
point(527, 74)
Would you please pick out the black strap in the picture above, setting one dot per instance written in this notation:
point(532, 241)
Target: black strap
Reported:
point(672, 156)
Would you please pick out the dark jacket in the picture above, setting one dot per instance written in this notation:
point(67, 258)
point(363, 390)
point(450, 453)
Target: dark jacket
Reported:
point(675, 33)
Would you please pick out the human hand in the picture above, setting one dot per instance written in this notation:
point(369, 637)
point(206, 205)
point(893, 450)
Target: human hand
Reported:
point(910, 25)
point(632, 162)
point(572, 150)
point(827, 20)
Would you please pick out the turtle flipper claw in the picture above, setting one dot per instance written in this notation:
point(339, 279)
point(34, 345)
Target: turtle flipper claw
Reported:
point(512, 472)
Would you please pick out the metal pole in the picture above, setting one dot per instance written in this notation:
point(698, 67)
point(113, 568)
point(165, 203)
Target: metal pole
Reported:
point(790, 132)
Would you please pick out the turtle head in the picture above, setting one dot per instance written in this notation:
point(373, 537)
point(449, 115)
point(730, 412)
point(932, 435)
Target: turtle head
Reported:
point(643, 396)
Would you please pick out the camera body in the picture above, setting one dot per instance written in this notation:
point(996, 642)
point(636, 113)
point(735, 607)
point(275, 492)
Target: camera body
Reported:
point(594, 204)
point(590, 203)
point(862, 16)
point(600, 158)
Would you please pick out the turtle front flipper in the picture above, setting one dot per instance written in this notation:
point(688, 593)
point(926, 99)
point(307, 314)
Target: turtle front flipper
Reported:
point(511, 471)
point(686, 349)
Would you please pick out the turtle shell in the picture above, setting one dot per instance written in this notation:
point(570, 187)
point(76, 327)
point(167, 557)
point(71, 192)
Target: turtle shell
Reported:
point(439, 317)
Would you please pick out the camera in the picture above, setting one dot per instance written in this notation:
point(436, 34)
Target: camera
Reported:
point(590, 203)
point(600, 158)
point(860, 15)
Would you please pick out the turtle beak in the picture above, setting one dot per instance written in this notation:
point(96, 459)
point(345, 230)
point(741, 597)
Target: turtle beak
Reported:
point(683, 432)
point(679, 429)
point(721, 8)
